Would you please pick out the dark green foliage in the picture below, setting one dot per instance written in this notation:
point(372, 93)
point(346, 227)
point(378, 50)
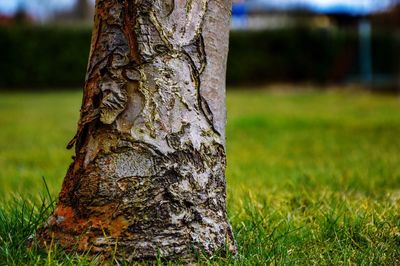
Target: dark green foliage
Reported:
point(43, 57)
point(303, 54)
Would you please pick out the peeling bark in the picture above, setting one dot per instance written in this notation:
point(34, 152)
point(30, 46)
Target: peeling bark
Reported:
point(148, 177)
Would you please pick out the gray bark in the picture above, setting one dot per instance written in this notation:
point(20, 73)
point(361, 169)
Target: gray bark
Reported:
point(148, 177)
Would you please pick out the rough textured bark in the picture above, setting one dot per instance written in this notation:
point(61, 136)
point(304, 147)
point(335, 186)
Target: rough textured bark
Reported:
point(148, 175)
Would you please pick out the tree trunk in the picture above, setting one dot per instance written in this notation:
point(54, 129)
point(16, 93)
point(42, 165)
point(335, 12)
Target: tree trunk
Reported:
point(148, 177)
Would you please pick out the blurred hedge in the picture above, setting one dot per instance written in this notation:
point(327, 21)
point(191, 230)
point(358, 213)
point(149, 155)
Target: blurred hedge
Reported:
point(307, 55)
point(43, 57)
point(50, 57)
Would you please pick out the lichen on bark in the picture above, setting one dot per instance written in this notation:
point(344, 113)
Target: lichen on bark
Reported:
point(148, 177)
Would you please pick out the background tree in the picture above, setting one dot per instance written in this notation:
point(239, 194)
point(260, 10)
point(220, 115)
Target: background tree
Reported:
point(82, 10)
point(148, 175)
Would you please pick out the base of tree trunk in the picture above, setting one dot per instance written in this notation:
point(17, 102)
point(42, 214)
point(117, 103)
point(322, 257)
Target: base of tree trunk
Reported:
point(172, 215)
point(148, 178)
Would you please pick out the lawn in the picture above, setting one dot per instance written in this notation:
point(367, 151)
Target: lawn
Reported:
point(313, 176)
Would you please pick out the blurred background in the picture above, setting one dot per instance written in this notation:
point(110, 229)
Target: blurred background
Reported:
point(312, 135)
point(44, 43)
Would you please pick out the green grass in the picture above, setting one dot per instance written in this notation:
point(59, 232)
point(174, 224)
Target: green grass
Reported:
point(313, 176)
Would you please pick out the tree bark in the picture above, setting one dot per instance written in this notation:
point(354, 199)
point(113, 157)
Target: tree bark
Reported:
point(148, 177)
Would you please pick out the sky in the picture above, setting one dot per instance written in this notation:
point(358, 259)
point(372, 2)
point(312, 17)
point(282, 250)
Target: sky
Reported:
point(37, 8)
point(355, 7)
point(40, 8)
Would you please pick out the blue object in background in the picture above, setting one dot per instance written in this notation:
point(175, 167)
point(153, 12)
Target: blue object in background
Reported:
point(239, 9)
point(239, 16)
